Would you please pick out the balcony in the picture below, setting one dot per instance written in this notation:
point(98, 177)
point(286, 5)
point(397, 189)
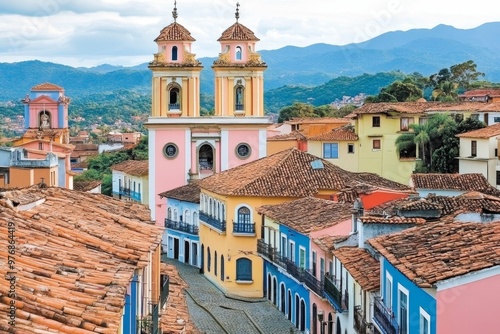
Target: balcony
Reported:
point(384, 318)
point(360, 324)
point(270, 253)
point(213, 222)
point(313, 283)
point(244, 228)
point(182, 227)
point(124, 191)
point(293, 269)
point(333, 293)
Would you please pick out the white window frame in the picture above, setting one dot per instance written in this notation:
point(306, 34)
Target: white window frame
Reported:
point(426, 316)
point(284, 242)
point(302, 256)
point(291, 247)
point(402, 289)
point(388, 292)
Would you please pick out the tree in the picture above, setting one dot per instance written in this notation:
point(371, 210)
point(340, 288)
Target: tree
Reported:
point(446, 91)
point(437, 78)
point(465, 74)
point(400, 91)
point(298, 109)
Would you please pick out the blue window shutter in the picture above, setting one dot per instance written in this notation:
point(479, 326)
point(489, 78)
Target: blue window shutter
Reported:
point(243, 269)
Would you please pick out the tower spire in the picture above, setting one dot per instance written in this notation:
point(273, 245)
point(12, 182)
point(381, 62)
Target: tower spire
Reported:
point(174, 12)
point(237, 14)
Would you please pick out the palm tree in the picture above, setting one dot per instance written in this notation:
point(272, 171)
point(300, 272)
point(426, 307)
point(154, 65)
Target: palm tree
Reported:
point(418, 138)
point(445, 91)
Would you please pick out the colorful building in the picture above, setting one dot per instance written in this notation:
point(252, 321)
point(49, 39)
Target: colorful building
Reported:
point(185, 145)
point(46, 124)
point(426, 285)
point(130, 180)
point(181, 239)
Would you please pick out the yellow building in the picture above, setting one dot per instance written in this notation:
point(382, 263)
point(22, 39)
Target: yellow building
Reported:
point(230, 225)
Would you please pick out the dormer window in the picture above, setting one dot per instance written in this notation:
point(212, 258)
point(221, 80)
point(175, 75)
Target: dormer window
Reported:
point(174, 53)
point(238, 53)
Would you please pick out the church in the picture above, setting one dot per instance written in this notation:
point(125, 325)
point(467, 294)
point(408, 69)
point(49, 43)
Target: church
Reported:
point(186, 146)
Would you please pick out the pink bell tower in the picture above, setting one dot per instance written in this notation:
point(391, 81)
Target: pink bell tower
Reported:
point(185, 146)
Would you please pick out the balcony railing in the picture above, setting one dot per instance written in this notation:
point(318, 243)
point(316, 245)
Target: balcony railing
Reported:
point(214, 222)
point(360, 324)
point(174, 106)
point(333, 293)
point(313, 283)
point(180, 226)
point(247, 228)
point(124, 191)
point(239, 107)
point(293, 269)
point(384, 318)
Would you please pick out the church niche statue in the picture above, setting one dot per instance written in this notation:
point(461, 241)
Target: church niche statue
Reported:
point(44, 121)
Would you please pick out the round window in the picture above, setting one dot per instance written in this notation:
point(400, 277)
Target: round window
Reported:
point(243, 150)
point(170, 150)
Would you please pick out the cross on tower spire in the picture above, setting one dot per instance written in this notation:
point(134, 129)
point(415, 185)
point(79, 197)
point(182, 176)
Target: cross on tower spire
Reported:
point(237, 14)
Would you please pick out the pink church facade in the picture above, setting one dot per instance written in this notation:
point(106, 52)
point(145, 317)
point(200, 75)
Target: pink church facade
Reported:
point(183, 144)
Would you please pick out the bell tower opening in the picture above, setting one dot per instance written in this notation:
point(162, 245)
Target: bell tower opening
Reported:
point(44, 119)
point(206, 160)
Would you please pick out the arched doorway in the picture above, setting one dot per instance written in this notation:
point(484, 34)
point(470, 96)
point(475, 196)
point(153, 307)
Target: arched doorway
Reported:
point(186, 251)
point(289, 305)
point(297, 311)
point(330, 323)
point(302, 315)
point(314, 319)
point(282, 298)
point(275, 291)
point(339, 329)
point(269, 289)
point(206, 160)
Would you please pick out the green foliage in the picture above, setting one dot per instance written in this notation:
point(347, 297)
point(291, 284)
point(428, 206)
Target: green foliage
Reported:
point(447, 82)
point(437, 141)
point(298, 110)
point(88, 175)
point(107, 185)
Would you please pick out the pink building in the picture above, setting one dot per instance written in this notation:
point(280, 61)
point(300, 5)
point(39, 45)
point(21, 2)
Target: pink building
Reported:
point(183, 144)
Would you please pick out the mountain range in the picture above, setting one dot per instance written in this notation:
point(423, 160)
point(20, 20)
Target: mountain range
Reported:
point(418, 50)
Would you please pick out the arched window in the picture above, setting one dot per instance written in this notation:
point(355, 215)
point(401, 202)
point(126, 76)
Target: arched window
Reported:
point(187, 217)
point(210, 205)
point(209, 259)
point(174, 53)
point(215, 264)
point(243, 215)
point(239, 97)
point(238, 53)
point(223, 214)
point(218, 210)
point(243, 269)
point(174, 102)
point(195, 218)
point(175, 215)
point(169, 213)
point(222, 268)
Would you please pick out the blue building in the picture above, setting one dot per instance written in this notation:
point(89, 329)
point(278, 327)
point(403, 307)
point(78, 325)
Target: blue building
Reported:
point(181, 240)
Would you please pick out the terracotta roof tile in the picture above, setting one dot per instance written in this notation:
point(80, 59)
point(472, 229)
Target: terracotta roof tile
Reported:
point(392, 220)
point(187, 193)
point(481, 92)
point(343, 133)
point(308, 214)
point(85, 185)
point(47, 86)
point(486, 132)
point(327, 242)
point(439, 251)
point(174, 32)
point(289, 173)
point(318, 120)
point(75, 256)
point(294, 135)
point(363, 268)
point(132, 167)
point(417, 107)
point(468, 202)
point(238, 32)
point(461, 182)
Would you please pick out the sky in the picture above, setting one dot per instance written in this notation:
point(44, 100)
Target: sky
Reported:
point(122, 32)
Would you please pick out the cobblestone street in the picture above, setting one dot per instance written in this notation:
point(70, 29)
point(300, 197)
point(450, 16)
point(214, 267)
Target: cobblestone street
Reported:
point(211, 312)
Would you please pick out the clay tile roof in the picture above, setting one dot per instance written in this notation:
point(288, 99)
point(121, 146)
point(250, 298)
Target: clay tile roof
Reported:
point(174, 32)
point(289, 173)
point(338, 134)
point(461, 182)
point(406, 204)
point(238, 32)
point(132, 167)
point(468, 202)
point(318, 120)
point(308, 214)
point(392, 220)
point(455, 106)
point(363, 268)
point(486, 132)
point(492, 106)
point(76, 254)
point(481, 92)
point(294, 135)
point(435, 252)
point(327, 242)
point(85, 185)
point(86, 147)
point(386, 107)
point(47, 86)
point(187, 193)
